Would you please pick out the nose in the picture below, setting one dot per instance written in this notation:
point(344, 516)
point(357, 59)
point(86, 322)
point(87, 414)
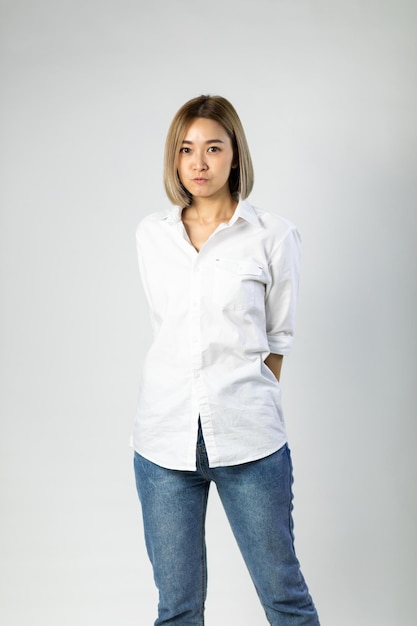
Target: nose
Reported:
point(199, 163)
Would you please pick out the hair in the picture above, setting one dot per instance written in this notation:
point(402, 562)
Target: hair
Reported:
point(221, 111)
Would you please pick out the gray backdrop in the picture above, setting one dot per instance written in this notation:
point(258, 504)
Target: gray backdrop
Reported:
point(326, 90)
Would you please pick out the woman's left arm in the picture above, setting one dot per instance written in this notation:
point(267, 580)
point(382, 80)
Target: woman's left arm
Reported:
point(281, 298)
point(274, 362)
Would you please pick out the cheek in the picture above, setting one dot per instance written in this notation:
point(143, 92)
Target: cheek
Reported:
point(227, 168)
point(228, 161)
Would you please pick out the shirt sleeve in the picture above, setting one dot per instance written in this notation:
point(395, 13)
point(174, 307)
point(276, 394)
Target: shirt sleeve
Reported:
point(143, 273)
point(281, 293)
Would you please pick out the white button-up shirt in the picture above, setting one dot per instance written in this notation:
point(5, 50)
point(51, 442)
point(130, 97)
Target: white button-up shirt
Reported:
point(216, 315)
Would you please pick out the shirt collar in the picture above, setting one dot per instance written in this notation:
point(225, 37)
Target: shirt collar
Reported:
point(173, 215)
point(244, 210)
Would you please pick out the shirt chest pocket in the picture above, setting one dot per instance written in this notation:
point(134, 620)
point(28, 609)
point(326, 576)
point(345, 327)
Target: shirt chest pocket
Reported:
point(236, 282)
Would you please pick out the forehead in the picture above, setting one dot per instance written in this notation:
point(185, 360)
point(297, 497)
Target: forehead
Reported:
point(205, 129)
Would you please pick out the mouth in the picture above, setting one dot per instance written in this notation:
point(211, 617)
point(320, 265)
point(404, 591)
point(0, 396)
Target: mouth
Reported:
point(199, 181)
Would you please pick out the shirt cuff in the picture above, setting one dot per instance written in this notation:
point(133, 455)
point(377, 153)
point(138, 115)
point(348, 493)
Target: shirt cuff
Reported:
point(280, 344)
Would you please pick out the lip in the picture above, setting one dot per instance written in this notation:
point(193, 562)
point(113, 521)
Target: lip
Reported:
point(200, 181)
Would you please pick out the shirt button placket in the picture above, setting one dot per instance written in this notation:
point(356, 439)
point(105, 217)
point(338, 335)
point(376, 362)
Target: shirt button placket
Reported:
point(195, 336)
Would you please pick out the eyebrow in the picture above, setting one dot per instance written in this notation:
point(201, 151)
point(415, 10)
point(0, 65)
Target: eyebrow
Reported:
point(187, 141)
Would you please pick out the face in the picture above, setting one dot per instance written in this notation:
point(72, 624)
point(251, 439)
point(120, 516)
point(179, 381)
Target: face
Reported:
point(205, 160)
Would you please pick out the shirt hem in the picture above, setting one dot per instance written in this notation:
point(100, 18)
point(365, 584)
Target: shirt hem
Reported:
point(188, 467)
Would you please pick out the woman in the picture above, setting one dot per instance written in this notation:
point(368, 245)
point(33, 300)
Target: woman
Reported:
point(221, 279)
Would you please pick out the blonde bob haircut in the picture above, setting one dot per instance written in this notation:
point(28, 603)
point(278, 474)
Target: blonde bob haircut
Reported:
point(220, 110)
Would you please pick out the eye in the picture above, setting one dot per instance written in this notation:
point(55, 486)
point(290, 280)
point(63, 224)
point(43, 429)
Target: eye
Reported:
point(185, 150)
point(213, 149)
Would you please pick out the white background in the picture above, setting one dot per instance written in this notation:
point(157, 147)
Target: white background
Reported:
point(326, 90)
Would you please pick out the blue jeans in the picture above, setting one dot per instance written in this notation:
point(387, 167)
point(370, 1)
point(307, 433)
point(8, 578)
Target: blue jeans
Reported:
point(257, 498)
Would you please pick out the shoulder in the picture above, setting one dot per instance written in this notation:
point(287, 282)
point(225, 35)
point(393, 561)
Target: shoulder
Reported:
point(157, 220)
point(275, 225)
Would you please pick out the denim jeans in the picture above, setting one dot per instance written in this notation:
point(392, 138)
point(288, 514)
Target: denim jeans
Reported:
point(257, 498)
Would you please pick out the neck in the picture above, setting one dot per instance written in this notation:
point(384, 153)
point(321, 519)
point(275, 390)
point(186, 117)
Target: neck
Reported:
point(213, 210)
